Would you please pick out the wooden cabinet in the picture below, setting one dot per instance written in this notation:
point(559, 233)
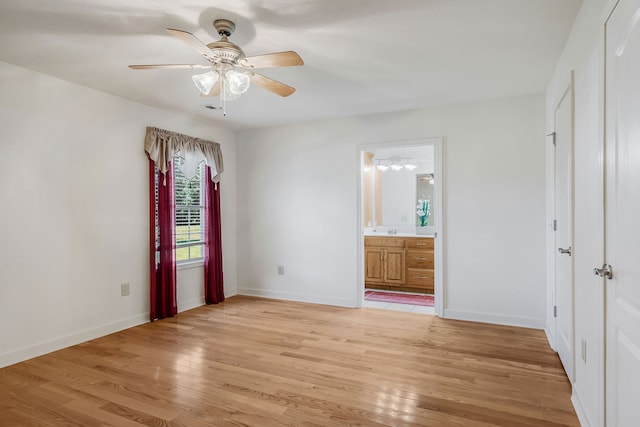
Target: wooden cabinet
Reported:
point(373, 266)
point(400, 263)
point(420, 243)
point(394, 266)
point(384, 260)
point(419, 259)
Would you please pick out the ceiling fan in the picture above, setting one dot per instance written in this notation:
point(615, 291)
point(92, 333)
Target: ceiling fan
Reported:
point(231, 72)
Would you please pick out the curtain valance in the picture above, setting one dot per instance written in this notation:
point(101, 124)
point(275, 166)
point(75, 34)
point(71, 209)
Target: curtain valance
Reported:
point(162, 145)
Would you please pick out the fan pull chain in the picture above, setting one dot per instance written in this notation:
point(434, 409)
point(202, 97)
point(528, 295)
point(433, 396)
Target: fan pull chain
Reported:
point(223, 101)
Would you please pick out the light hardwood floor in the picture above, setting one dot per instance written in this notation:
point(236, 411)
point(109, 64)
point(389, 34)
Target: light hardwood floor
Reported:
point(259, 362)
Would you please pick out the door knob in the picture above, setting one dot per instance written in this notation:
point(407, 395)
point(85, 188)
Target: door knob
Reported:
point(565, 251)
point(605, 271)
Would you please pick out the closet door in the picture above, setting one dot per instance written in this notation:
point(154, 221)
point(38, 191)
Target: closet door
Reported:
point(564, 295)
point(622, 215)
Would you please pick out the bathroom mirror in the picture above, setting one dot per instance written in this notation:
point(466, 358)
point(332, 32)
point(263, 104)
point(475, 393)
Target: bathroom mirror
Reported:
point(424, 200)
point(391, 193)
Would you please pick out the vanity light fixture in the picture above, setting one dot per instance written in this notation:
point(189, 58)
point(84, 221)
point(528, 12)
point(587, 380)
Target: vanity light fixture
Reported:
point(395, 163)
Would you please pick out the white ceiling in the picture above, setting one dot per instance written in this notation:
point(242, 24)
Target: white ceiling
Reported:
point(361, 56)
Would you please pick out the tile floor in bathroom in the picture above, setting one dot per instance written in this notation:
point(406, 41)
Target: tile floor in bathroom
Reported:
point(399, 307)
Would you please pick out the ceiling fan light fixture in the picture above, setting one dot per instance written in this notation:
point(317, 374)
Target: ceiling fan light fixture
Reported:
point(238, 83)
point(227, 95)
point(204, 82)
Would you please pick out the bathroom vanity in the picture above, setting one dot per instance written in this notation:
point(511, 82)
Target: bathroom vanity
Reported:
point(396, 262)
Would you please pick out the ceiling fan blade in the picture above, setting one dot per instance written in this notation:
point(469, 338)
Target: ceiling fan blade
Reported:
point(169, 66)
point(280, 59)
point(272, 85)
point(215, 90)
point(192, 41)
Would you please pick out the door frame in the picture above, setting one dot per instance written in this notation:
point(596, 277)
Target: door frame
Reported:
point(439, 241)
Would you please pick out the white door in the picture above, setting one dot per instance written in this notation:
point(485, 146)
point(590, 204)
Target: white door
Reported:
point(564, 230)
point(622, 215)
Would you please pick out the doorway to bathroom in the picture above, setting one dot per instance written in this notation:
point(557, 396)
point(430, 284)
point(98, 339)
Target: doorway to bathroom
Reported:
point(400, 227)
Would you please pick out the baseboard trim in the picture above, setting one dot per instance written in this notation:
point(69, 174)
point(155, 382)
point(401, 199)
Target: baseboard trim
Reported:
point(551, 338)
point(583, 417)
point(191, 304)
point(291, 296)
point(473, 316)
point(55, 344)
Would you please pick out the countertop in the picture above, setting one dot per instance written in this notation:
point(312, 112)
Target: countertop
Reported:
point(426, 236)
point(383, 231)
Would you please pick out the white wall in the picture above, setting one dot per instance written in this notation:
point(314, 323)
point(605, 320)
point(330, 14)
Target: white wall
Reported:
point(583, 54)
point(297, 206)
point(74, 218)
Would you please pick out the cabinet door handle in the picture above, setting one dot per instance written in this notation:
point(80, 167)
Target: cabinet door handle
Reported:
point(421, 258)
point(421, 244)
point(421, 277)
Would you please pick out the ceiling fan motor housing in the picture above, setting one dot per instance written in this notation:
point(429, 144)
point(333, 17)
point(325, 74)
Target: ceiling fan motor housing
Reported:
point(224, 27)
point(226, 51)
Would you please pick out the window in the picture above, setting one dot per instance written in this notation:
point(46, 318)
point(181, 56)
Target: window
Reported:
point(182, 228)
point(189, 213)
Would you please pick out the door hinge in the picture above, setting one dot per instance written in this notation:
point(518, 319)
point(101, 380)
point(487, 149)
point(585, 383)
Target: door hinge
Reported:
point(555, 311)
point(555, 225)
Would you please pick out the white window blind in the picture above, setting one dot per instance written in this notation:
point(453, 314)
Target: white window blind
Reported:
point(189, 213)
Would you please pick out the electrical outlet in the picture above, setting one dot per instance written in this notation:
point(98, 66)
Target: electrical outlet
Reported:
point(124, 289)
point(281, 270)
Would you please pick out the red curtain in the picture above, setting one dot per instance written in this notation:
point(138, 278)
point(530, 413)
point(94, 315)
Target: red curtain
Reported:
point(213, 280)
point(163, 251)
